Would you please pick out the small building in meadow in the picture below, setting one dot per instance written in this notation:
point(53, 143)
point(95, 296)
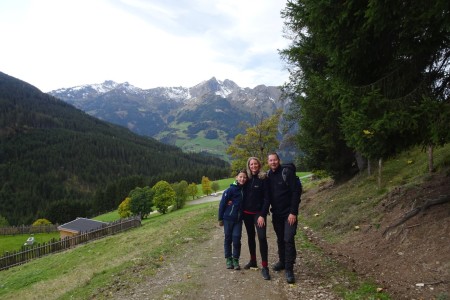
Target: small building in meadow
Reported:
point(79, 225)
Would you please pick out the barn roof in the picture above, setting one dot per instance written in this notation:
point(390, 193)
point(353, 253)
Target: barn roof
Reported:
point(81, 225)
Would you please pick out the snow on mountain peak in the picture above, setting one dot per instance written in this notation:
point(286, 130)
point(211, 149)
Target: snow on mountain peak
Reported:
point(223, 91)
point(178, 93)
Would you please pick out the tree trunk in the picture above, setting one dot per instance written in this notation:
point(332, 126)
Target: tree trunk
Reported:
point(360, 161)
point(380, 164)
point(369, 167)
point(430, 159)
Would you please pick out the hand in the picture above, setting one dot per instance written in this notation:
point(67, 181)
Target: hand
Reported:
point(260, 222)
point(292, 219)
point(221, 223)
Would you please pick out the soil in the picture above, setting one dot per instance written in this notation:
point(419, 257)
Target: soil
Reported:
point(411, 261)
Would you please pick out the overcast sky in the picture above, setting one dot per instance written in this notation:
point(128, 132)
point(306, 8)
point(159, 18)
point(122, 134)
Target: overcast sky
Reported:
point(53, 44)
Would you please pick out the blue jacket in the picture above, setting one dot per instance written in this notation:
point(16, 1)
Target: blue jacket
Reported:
point(230, 207)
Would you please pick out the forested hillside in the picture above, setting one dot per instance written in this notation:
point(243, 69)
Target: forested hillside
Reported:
point(57, 162)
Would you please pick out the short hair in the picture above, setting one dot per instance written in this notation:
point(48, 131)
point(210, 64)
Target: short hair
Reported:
point(241, 171)
point(274, 153)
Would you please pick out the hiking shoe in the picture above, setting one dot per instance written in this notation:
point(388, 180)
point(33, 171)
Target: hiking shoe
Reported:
point(251, 264)
point(265, 273)
point(278, 266)
point(236, 264)
point(290, 276)
point(230, 263)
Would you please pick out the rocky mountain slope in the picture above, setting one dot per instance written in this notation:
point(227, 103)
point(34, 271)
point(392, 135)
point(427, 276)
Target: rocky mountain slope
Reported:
point(204, 117)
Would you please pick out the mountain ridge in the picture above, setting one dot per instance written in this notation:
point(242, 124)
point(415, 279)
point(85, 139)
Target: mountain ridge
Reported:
point(204, 117)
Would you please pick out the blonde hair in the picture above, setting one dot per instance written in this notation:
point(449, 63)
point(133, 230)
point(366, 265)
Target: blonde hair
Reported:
point(249, 172)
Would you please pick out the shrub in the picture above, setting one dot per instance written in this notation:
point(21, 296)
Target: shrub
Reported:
point(39, 222)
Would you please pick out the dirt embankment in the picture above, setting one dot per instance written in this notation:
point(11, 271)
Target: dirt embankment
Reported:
point(410, 260)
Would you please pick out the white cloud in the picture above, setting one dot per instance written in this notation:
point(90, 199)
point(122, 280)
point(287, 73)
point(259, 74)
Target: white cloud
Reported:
point(53, 44)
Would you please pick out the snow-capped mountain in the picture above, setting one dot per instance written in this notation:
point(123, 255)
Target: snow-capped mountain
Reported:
point(182, 116)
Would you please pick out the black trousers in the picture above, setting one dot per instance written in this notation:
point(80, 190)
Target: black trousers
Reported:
point(285, 240)
point(250, 222)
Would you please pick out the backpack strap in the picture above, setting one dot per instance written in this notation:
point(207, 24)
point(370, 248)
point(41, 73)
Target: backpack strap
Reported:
point(284, 175)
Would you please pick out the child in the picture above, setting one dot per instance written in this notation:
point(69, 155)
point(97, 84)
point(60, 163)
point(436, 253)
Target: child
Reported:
point(230, 216)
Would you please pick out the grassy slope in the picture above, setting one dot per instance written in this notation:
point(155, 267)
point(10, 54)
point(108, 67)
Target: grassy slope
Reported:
point(337, 211)
point(80, 272)
point(199, 143)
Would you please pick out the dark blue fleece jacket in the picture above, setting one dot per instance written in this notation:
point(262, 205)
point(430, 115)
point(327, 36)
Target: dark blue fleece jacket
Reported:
point(230, 207)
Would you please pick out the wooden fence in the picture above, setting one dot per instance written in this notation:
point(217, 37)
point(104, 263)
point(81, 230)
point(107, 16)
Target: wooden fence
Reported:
point(13, 230)
point(28, 253)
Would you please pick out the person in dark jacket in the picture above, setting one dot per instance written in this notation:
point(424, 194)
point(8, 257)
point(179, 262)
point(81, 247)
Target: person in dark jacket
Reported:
point(256, 207)
point(284, 201)
point(230, 217)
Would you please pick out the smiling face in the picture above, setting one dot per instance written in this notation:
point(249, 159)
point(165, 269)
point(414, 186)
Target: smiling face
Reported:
point(241, 178)
point(273, 161)
point(254, 166)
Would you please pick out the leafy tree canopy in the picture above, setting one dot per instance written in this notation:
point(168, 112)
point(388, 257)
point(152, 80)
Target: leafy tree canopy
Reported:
point(215, 186)
point(192, 190)
point(141, 201)
point(164, 196)
point(124, 208)
point(258, 141)
point(206, 185)
point(181, 192)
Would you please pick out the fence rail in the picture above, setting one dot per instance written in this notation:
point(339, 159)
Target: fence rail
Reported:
point(13, 230)
point(27, 253)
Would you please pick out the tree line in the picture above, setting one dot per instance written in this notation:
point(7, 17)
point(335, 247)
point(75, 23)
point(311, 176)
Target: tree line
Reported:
point(162, 196)
point(367, 79)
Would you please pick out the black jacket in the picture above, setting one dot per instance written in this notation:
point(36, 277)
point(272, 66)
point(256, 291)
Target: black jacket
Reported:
point(284, 196)
point(256, 196)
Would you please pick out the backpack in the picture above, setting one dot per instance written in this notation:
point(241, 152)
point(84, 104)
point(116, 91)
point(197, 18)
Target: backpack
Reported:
point(292, 167)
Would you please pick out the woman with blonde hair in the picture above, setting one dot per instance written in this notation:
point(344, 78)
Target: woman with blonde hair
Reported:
point(256, 207)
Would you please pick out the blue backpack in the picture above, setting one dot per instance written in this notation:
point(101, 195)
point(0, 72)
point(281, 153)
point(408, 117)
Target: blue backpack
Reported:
point(293, 169)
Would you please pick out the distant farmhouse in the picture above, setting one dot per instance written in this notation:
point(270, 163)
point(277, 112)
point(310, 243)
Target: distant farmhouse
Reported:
point(79, 225)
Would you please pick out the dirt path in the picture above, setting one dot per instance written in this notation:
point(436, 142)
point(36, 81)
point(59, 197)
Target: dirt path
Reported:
point(417, 252)
point(200, 273)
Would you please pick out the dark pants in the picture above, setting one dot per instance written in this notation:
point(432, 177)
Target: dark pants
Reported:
point(233, 233)
point(250, 222)
point(285, 240)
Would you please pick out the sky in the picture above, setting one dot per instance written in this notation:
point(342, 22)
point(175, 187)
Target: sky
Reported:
point(54, 44)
